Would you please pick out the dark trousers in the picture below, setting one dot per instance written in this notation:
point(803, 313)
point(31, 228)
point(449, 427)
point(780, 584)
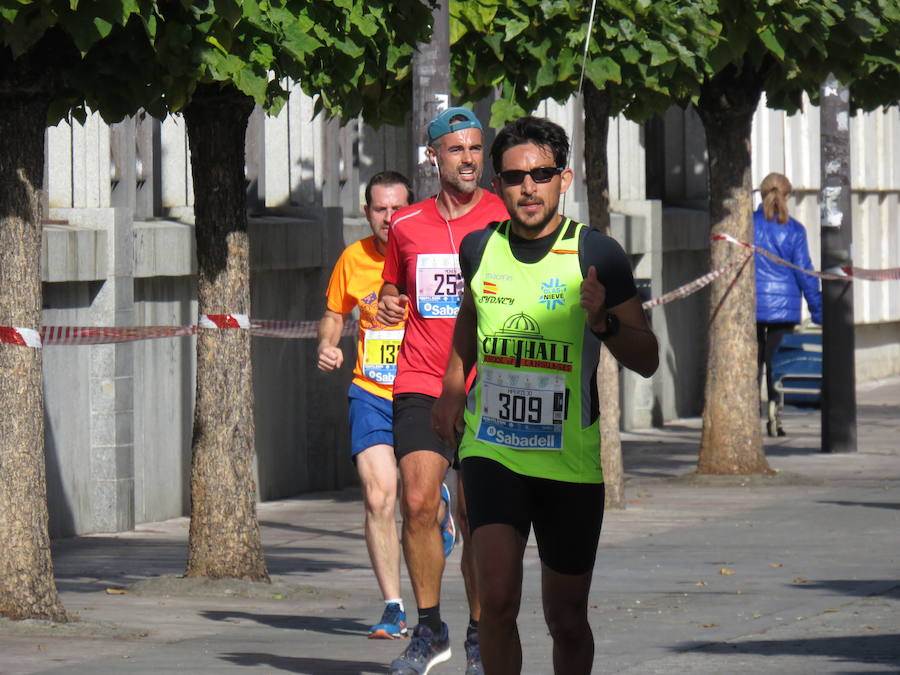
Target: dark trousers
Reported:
point(768, 337)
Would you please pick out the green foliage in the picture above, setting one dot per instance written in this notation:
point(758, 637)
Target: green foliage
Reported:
point(643, 54)
point(792, 45)
point(355, 56)
point(649, 54)
point(24, 22)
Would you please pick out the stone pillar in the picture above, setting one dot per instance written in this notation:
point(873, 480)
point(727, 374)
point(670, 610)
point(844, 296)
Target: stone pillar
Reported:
point(112, 385)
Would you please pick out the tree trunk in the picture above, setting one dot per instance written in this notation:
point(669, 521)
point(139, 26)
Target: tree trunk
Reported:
point(596, 132)
point(224, 531)
point(731, 442)
point(27, 586)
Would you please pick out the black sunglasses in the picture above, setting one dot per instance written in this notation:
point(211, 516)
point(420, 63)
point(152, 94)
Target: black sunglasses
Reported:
point(542, 174)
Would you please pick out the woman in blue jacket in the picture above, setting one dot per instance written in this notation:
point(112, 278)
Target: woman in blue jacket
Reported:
point(779, 288)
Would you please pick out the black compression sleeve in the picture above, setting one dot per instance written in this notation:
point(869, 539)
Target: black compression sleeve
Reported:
point(612, 264)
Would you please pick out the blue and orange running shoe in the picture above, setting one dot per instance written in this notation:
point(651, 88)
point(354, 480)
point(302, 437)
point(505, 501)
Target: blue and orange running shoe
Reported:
point(392, 624)
point(448, 527)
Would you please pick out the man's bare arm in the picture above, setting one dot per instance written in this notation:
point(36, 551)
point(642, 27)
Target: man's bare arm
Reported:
point(447, 413)
point(634, 345)
point(330, 356)
point(392, 304)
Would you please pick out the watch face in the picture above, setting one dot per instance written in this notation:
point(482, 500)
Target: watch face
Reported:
point(612, 326)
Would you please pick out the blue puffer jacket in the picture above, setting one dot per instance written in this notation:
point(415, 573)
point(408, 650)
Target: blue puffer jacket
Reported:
point(778, 287)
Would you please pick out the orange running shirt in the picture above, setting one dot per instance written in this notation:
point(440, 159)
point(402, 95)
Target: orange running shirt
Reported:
point(355, 282)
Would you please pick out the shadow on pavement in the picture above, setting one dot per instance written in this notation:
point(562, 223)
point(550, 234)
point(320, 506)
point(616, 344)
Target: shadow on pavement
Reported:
point(872, 649)
point(861, 588)
point(317, 624)
point(303, 529)
point(306, 665)
point(874, 505)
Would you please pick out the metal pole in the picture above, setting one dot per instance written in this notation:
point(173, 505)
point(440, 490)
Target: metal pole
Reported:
point(431, 95)
point(838, 342)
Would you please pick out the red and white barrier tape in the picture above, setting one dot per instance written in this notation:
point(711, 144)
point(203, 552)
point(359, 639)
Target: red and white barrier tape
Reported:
point(24, 337)
point(220, 321)
point(74, 335)
point(847, 273)
point(98, 335)
point(693, 286)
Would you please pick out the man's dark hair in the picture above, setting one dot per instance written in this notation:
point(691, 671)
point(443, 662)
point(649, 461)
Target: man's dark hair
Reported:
point(535, 130)
point(389, 178)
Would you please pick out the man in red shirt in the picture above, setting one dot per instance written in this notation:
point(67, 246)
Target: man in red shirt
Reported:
point(421, 274)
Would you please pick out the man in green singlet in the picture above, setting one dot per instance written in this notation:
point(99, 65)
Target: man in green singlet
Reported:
point(542, 292)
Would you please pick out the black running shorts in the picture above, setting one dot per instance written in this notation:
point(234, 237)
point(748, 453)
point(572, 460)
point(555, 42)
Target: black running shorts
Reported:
point(566, 516)
point(413, 429)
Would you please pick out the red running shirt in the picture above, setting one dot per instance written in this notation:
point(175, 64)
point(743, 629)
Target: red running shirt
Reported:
point(422, 260)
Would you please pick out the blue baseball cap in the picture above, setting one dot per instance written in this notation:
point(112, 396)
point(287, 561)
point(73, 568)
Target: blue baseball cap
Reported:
point(442, 124)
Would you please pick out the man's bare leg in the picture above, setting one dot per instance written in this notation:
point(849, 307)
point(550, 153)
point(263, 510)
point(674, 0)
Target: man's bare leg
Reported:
point(499, 549)
point(421, 474)
point(377, 470)
point(565, 610)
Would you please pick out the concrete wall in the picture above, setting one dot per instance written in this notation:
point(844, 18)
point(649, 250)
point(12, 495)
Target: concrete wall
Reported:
point(119, 251)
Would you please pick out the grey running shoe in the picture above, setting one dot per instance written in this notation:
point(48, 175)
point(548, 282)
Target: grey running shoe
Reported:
point(424, 651)
point(473, 654)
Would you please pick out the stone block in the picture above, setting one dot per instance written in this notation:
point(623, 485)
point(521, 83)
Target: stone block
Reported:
point(164, 248)
point(112, 505)
point(285, 243)
point(103, 393)
point(632, 232)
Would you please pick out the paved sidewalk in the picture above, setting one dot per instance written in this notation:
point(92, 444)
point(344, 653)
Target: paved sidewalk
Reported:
point(794, 573)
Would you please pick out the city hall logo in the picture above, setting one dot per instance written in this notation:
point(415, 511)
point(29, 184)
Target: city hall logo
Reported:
point(553, 293)
point(519, 343)
point(490, 295)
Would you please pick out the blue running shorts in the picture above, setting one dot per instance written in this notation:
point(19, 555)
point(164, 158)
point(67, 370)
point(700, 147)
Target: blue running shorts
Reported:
point(371, 420)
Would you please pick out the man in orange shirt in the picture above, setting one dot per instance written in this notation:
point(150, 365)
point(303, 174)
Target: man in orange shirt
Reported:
point(355, 282)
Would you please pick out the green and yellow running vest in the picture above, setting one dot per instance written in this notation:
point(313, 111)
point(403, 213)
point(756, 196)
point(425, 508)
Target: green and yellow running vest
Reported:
point(534, 405)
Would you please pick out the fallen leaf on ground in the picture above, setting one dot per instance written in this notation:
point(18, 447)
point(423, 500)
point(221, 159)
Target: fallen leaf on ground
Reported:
point(775, 565)
point(726, 571)
point(800, 580)
point(115, 591)
point(700, 583)
point(708, 625)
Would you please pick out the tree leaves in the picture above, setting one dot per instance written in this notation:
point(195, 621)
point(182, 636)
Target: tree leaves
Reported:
point(539, 44)
point(356, 55)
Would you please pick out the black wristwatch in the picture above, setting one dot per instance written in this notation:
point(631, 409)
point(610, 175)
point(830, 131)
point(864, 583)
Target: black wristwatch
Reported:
point(612, 327)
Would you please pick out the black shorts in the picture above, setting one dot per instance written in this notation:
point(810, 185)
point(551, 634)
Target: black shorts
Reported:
point(413, 429)
point(567, 517)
